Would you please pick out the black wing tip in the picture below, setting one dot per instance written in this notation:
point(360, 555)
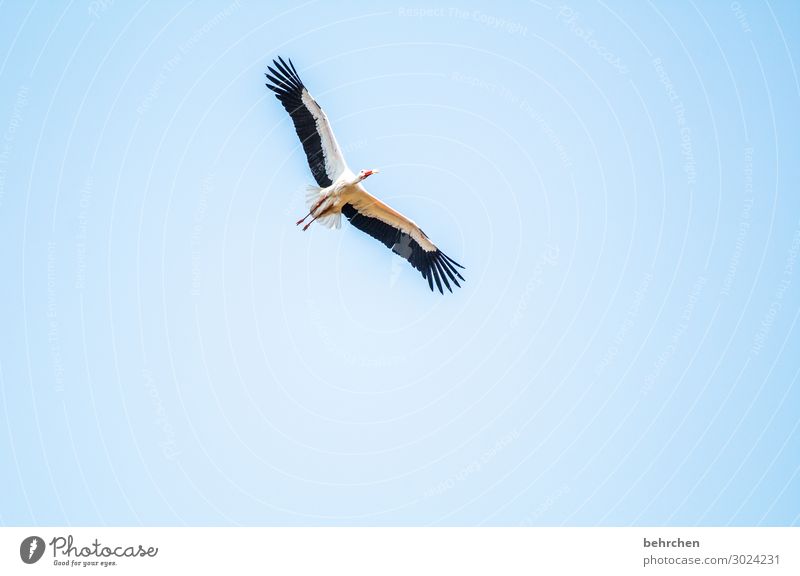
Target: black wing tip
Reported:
point(284, 76)
point(288, 69)
point(437, 267)
point(450, 260)
point(279, 61)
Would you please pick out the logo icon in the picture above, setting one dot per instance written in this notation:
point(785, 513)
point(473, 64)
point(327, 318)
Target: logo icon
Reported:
point(31, 550)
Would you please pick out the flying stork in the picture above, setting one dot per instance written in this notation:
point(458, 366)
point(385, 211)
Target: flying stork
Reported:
point(340, 191)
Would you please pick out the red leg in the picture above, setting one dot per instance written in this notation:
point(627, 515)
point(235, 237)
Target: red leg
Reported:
point(310, 212)
point(309, 224)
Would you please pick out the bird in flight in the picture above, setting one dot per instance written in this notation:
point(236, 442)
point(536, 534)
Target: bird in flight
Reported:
point(340, 190)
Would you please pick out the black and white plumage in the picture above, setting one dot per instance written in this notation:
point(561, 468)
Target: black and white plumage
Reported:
point(340, 190)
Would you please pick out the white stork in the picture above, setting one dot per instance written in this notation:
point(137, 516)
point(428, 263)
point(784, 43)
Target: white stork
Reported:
point(340, 191)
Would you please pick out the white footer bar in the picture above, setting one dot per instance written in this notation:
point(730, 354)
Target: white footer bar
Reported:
point(406, 551)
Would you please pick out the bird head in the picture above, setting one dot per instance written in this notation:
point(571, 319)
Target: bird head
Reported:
point(364, 174)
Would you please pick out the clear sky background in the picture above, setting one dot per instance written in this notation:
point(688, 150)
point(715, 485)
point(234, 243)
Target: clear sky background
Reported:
point(620, 180)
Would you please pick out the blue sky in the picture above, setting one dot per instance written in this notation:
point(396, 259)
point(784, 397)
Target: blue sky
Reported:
point(619, 181)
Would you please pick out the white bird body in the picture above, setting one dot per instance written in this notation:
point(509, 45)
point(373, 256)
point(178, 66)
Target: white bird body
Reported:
point(326, 203)
point(340, 190)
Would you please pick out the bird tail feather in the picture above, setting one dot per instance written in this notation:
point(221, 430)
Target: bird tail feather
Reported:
point(330, 220)
point(312, 195)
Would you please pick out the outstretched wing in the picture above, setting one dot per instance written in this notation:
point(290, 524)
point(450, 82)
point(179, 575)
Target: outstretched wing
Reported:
point(403, 237)
point(310, 122)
